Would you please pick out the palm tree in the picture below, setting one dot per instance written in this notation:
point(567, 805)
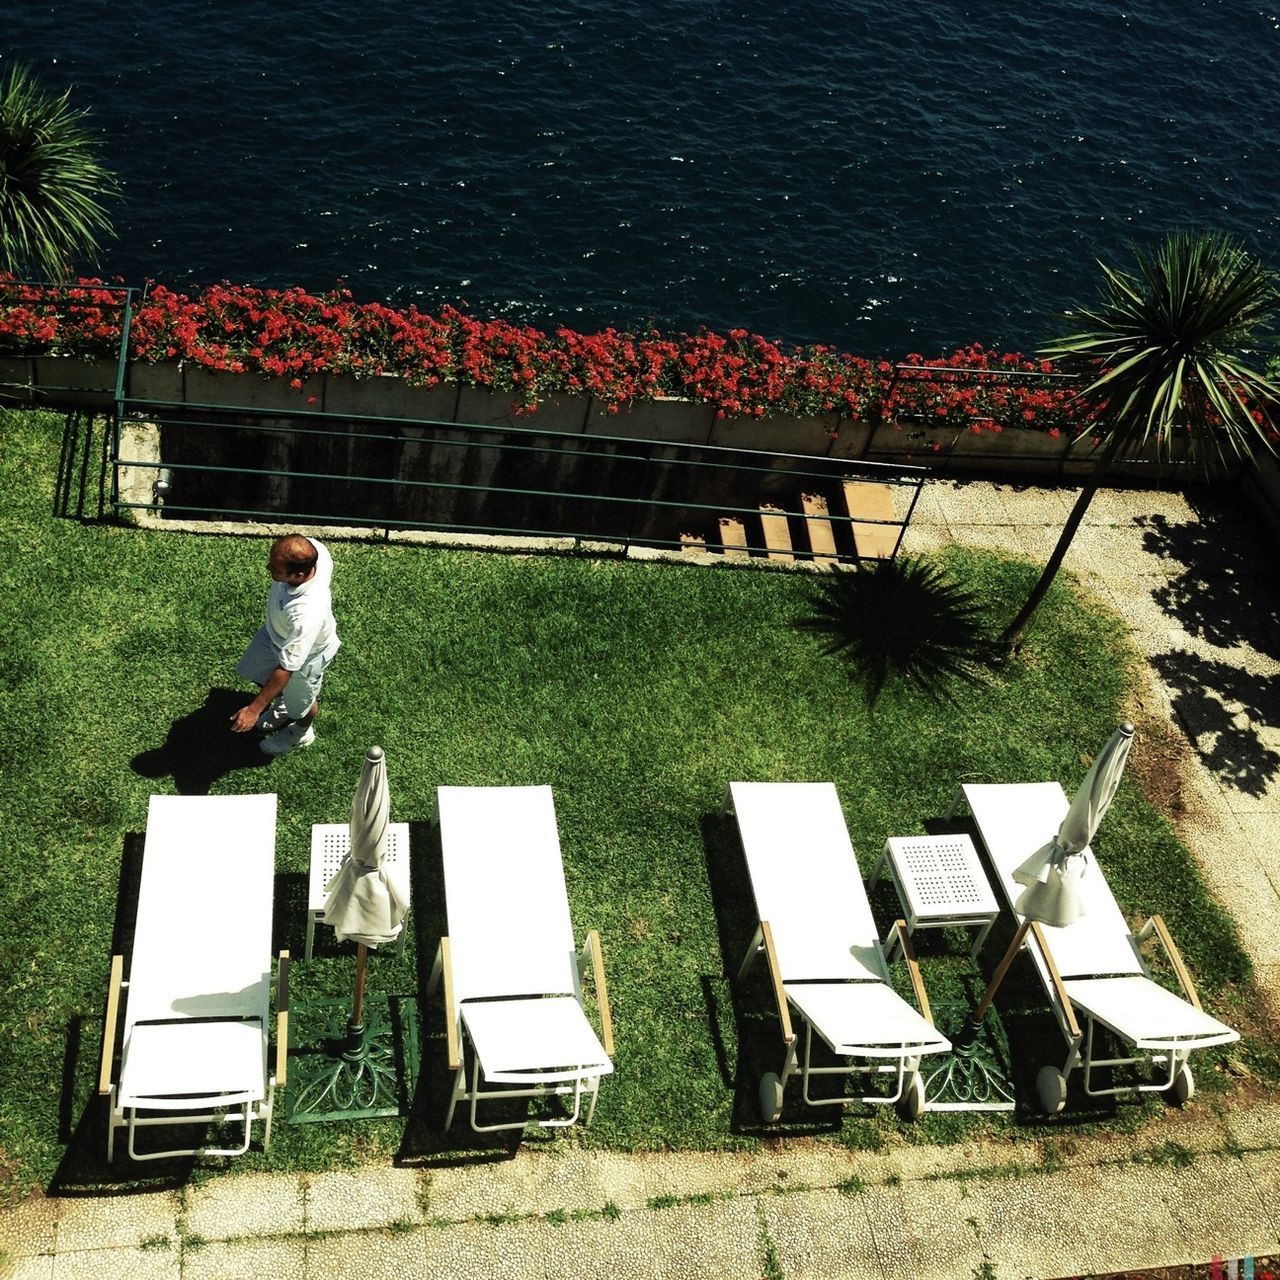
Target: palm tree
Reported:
point(50, 180)
point(1165, 350)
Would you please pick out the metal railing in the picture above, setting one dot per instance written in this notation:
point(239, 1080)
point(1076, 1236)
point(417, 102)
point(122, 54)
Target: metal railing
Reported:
point(468, 479)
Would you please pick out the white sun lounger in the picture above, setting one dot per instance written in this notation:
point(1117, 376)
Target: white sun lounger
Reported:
point(825, 958)
point(196, 1004)
point(1092, 966)
point(512, 975)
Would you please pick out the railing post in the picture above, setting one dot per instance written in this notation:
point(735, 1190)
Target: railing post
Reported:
point(122, 369)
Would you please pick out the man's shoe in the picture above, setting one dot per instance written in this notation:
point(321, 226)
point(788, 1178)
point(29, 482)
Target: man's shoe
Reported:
point(284, 740)
point(273, 718)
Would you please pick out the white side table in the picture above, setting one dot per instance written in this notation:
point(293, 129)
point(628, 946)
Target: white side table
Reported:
point(940, 882)
point(329, 844)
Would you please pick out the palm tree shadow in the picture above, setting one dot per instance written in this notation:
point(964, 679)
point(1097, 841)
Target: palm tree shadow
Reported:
point(200, 747)
point(1226, 592)
point(1226, 595)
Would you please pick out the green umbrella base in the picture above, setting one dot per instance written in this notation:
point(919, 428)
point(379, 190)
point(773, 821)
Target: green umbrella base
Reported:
point(341, 1072)
point(977, 1074)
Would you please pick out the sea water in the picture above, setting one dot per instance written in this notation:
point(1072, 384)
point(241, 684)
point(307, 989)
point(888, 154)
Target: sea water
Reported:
point(885, 177)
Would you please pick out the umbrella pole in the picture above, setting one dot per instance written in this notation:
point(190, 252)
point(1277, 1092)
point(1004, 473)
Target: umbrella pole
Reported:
point(997, 978)
point(355, 1028)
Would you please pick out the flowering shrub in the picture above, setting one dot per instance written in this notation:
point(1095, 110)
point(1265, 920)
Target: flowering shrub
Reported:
point(982, 391)
point(294, 334)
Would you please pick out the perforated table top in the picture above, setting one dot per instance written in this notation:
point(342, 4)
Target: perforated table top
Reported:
point(941, 877)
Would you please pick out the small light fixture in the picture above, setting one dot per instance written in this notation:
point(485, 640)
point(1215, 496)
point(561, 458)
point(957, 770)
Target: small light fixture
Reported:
point(163, 486)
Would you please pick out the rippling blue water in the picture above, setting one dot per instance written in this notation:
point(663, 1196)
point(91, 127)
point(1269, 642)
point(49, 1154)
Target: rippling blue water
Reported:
point(885, 177)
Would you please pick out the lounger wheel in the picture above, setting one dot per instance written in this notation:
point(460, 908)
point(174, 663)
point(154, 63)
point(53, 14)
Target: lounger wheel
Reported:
point(912, 1102)
point(770, 1097)
point(1183, 1086)
point(1051, 1089)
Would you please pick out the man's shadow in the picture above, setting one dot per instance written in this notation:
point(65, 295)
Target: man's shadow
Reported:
point(201, 748)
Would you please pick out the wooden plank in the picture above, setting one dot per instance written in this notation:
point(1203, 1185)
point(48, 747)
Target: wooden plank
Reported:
point(453, 1048)
point(107, 1066)
point(692, 542)
point(777, 537)
point(817, 523)
point(602, 991)
point(871, 502)
point(775, 977)
point(733, 536)
point(282, 1022)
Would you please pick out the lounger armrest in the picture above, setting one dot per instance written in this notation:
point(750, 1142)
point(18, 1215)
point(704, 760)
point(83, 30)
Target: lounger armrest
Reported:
point(1157, 926)
point(282, 1021)
point(450, 1018)
point(913, 968)
point(1064, 1001)
point(107, 1067)
point(775, 976)
point(591, 948)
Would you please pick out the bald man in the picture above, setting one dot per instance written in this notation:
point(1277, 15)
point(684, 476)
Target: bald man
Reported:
point(288, 656)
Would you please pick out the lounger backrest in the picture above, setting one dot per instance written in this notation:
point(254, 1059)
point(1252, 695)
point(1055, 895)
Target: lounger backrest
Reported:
point(202, 943)
point(1016, 819)
point(806, 882)
point(510, 933)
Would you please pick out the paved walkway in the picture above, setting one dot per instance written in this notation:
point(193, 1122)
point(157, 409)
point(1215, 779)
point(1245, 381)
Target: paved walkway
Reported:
point(1203, 606)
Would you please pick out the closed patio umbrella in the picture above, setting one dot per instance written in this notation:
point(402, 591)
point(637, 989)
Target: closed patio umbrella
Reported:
point(1054, 873)
point(361, 1074)
point(367, 900)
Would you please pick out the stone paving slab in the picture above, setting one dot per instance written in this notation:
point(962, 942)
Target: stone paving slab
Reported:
point(1216, 1198)
point(270, 1259)
point(26, 1267)
point(249, 1204)
point(824, 1236)
point(117, 1264)
point(30, 1228)
point(708, 1241)
point(351, 1200)
point(96, 1222)
point(515, 1249)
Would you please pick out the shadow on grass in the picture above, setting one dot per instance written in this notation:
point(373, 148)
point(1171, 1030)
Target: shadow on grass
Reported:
point(82, 1112)
point(425, 1143)
point(200, 747)
point(81, 486)
point(760, 1046)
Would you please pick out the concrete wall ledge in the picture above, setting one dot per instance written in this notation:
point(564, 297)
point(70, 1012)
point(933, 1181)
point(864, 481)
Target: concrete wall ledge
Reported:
point(1033, 456)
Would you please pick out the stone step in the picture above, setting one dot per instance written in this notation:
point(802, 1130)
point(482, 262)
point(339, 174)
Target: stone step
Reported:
point(733, 537)
point(692, 542)
point(866, 502)
point(777, 536)
point(817, 523)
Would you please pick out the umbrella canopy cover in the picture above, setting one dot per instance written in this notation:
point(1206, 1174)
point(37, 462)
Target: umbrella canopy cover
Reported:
point(1054, 873)
point(367, 899)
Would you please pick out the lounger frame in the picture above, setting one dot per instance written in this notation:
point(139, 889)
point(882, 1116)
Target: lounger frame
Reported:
point(868, 1058)
point(183, 1007)
point(517, 899)
point(1164, 1057)
point(870, 1053)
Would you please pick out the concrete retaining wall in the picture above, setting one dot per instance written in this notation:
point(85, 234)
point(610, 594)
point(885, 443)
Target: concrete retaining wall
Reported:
point(1033, 455)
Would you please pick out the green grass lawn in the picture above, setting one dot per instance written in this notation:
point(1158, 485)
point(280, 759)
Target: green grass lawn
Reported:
point(637, 691)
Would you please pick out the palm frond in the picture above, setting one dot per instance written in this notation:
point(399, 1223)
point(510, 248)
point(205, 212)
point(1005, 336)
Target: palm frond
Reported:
point(51, 182)
point(1162, 348)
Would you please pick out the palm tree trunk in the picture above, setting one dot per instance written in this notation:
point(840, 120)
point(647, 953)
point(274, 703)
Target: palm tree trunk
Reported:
point(1011, 638)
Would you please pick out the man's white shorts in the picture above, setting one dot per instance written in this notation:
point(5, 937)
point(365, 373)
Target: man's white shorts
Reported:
point(261, 658)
